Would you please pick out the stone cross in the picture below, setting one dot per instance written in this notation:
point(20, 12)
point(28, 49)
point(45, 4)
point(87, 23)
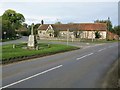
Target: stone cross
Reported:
point(32, 28)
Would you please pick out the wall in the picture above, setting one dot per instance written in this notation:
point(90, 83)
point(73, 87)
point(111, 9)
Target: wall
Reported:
point(84, 34)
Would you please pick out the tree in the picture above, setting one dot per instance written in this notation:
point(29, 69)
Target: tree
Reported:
point(108, 22)
point(16, 19)
point(42, 22)
point(0, 27)
point(71, 23)
point(58, 22)
point(56, 33)
point(117, 30)
point(6, 27)
point(11, 20)
point(97, 35)
point(25, 25)
point(75, 33)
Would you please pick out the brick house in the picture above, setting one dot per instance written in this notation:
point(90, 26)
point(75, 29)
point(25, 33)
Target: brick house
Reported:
point(112, 36)
point(86, 30)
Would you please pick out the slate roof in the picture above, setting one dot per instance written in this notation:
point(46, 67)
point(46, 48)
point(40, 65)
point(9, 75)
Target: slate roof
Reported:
point(80, 26)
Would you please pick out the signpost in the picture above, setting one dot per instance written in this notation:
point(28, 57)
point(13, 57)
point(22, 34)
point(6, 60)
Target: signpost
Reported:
point(67, 36)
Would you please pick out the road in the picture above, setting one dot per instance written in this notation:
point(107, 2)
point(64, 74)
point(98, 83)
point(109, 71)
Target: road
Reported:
point(21, 40)
point(83, 68)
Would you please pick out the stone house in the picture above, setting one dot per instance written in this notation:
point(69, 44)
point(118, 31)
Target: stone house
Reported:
point(82, 30)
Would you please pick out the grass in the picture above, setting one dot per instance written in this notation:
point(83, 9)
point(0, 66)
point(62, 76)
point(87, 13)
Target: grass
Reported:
point(113, 76)
point(9, 52)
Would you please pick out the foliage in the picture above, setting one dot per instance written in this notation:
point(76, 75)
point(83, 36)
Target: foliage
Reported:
point(14, 18)
point(56, 33)
point(58, 22)
point(71, 23)
point(42, 22)
point(77, 33)
point(97, 35)
point(108, 22)
point(11, 20)
point(117, 30)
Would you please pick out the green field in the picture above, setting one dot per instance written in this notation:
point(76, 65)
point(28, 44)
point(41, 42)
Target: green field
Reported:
point(9, 52)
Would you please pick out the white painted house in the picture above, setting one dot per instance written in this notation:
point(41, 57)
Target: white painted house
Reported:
point(86, 30)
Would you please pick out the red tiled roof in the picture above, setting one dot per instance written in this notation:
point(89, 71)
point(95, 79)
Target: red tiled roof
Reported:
point(43, 27)
point(65, 26)
point(81, 26)
point(93, 26)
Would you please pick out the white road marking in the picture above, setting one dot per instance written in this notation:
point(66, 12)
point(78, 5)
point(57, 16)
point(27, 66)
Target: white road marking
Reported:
point(111, 46)
point(101, 49)
point(31, 76)
point(91, 46)
point(84, 56)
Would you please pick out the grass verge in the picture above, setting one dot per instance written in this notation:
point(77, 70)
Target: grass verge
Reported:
point(112, 78)
point(10, 54)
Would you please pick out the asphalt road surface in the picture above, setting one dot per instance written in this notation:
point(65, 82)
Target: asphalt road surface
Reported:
point(83, 68)
point(21, 40)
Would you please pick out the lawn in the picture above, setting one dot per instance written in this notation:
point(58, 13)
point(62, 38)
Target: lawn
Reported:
point(8, 52)
point(112, 79)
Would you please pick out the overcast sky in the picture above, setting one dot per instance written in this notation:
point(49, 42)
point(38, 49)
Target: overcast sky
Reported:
point(51, 12)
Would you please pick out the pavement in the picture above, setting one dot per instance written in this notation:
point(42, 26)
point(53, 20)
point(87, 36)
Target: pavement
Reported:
point(83, 68)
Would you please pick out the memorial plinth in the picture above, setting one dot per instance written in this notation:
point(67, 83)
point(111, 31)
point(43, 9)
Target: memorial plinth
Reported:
point(32, 42)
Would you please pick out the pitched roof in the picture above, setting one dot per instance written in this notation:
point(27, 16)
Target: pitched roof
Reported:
point(43, 27)
point(93, 26)
point(65, 26)
point(80, 26)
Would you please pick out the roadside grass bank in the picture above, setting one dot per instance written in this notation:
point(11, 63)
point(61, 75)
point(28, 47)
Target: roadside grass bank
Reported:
point(19, 53)
point(112, 79)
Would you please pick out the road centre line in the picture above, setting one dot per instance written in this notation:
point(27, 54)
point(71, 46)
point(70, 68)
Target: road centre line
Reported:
point(84, 56)
point(105, 48)
point(101, 49)
point(31, 76)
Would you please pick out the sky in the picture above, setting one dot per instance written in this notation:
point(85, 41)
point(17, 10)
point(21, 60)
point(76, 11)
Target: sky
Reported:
point(65, 12)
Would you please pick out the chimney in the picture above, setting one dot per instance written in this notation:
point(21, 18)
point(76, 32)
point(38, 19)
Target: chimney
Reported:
point(42, 22)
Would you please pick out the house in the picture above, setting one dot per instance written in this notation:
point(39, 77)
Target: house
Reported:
point(112, 36)
point(82, 30)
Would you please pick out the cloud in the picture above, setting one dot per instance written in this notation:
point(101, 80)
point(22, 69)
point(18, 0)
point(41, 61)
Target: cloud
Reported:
point(59, 0)
point(37, 19)
point(64, 12)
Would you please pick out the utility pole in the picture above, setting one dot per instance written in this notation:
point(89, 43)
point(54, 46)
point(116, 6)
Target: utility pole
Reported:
point(108, 28)
point(92, 36)
point(67, 36)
